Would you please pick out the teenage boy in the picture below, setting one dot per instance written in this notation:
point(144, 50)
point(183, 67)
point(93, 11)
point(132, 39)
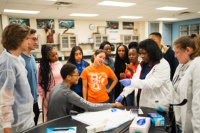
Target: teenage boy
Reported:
point(32, 71)
point(168, 53)
point(16, 101)
point(62, 98)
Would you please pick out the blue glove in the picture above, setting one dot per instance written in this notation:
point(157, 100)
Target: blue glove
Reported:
point(119, 99)
point(160, 109)
point(125, 82)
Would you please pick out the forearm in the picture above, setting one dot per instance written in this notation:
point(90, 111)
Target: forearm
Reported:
point(115, 80)
point(7, 130)
point(85, 93)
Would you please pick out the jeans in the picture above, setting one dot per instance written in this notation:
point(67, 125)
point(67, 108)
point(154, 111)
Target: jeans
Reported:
point(130, 99)
point(179, 129)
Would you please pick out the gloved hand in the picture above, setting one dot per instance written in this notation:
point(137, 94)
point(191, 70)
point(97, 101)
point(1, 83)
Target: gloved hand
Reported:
point(125, 82)
point(160, 109)
point(119, 99)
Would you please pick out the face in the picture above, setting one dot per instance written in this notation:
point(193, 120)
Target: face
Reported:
point(144, 55)
point(33, 40)
point(183, 56)
point(133, 55)
point(24, 44)
point(156, 39)
point(99, 59)
point(107, 48)
point(53, 56)
point(78, 56)
point(74, 77)
point(121, 52)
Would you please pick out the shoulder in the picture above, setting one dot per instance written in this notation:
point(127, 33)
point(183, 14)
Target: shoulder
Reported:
point(163, 63)
point(86, 63)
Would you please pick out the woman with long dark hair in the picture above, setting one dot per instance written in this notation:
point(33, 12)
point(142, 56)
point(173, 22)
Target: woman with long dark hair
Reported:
point(48, 75)
point(121, 60)
point(76, 58)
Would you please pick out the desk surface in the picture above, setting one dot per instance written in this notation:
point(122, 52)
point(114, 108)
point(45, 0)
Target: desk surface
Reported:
point(68, 121)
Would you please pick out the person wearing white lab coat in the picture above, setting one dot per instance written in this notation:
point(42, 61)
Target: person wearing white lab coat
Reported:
point(186, 83)
point(16, 101)
point(155, 85)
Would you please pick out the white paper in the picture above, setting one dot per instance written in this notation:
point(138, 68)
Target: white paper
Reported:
point(110, 119)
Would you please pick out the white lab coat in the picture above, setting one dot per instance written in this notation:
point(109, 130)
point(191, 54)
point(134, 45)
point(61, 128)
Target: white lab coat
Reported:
point(156, 87)
point(16, 101)
point(189, 88)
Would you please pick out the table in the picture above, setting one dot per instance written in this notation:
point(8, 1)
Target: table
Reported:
point(67, 121)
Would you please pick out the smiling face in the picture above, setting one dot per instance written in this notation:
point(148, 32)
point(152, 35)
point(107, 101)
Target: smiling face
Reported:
point(99, 59)
point(183, 56)
point(133, 55)
point(53, 56)
point(144, 55)
point(78, 56)
point(121, 52)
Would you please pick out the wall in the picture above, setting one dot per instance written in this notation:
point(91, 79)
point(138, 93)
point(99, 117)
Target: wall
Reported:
point(167, 34)
point(175, 26)
point(82, 31)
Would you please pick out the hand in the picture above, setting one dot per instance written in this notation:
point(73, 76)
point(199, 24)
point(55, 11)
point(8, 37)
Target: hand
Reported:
point(107, 90)
point(119, 99)
point(125, 82)
point(128, 66)
point(122, 75)
point(160, 109)
point(118, 105)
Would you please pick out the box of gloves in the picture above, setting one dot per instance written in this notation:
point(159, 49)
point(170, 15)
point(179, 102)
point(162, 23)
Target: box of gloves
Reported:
point(156, 119)
point(140, 125)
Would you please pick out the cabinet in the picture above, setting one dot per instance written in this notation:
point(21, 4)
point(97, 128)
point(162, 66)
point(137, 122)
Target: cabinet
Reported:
point(98, 39)
point(67, 42)
point(126, 39)
point(38, 46)
point(189, 29)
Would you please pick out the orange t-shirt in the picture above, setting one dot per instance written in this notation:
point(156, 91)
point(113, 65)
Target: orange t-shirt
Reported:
point(97, 79)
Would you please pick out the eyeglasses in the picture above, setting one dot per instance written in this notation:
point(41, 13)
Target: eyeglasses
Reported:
point(75, 75)
point(34, 39)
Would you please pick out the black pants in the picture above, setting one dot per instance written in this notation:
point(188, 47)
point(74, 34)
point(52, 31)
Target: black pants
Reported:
point(36, 111)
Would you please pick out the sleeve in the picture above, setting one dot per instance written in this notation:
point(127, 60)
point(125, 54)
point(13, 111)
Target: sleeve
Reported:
point(84, 74)
point(40, 91)
point(7, 82)
point(196, 98)
point(160, 74)
point(82, 103)
point(111, 73)
point(173, 64)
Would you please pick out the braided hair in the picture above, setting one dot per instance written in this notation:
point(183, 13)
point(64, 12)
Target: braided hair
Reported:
point(45, 73)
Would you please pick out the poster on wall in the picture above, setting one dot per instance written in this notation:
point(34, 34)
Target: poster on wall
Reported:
point(128, 25)
point(22, 21)
point(45, 23)
point(112, 24)
point(114, 36)
point(65, 24)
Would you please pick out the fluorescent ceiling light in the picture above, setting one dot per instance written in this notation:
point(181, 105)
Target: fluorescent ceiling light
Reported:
point(131, 17)
point(167, 19)
point(113, 3)
point(21, 11)
point(198, 12)
point(170, 8)
point(83, 15)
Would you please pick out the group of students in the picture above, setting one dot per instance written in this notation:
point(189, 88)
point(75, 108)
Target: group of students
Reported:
point(154, 82)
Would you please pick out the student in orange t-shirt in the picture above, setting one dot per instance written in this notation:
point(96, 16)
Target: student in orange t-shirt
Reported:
point(131, 68)
point(95, 78)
